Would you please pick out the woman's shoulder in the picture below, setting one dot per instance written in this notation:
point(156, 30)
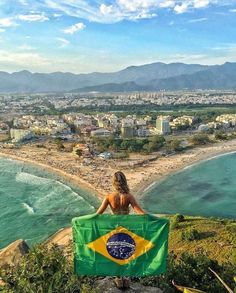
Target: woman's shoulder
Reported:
point(112, 194)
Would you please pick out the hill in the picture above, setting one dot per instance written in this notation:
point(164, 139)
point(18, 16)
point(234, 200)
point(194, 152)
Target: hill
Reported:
point(148, 77)
point(190, 256)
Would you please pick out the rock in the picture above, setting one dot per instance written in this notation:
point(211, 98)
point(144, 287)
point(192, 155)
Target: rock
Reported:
point(12, 253)
point(107, 285)
point(2, 283)
point(62, 238)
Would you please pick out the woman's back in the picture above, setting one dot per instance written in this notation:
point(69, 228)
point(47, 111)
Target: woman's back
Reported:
point(119, 203)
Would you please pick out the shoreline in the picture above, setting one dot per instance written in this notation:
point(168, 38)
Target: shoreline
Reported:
point(70, 179)
point(140, 178)
point(198, 155)
point(158, 180)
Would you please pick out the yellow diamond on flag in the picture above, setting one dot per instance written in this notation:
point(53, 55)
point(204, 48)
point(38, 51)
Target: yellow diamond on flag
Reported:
point(121, 245)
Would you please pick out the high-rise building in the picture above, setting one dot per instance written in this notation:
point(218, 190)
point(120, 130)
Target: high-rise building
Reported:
point(127, 131)
point(127, 127)
point(163, 125)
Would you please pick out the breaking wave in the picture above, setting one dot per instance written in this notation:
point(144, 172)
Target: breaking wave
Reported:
point(34, 203)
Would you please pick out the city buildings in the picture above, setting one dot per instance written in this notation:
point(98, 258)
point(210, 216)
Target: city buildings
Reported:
point(163, 125)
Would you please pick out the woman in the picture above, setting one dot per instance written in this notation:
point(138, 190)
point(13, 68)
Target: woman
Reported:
point(120, 200)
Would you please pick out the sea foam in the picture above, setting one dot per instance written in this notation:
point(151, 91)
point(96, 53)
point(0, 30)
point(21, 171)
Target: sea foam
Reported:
point(31, 179)
point(28, 208)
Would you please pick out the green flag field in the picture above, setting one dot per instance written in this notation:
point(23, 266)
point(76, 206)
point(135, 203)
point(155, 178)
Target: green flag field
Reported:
point(120, 245)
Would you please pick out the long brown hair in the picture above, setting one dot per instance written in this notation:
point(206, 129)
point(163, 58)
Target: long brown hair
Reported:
point(120, 182)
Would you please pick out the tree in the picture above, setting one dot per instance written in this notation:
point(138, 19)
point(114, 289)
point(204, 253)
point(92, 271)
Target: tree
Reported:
point(175, 145)
point(220, 135)
point(200, 138)
point(59, 144)
point(155, 143)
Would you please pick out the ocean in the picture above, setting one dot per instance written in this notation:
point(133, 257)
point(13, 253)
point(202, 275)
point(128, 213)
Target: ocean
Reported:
point(35, 203)
point(204, 189)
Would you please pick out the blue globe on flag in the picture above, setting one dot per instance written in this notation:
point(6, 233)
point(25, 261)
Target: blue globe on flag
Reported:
point(121, 246)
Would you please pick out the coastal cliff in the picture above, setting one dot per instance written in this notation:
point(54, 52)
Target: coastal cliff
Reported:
point(195, 243)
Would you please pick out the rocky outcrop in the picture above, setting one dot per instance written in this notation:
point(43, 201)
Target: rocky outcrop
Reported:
point(12, 254)
point(63, 239)
point(107, 285)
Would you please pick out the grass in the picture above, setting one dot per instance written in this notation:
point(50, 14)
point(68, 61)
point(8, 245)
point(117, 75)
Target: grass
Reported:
point(216, 238)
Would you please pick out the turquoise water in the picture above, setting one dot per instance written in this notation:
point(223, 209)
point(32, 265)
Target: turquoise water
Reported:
point(34, 203)
point(205, 189)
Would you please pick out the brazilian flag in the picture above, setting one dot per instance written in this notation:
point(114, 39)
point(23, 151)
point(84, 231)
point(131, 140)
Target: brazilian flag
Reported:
point(120, 245)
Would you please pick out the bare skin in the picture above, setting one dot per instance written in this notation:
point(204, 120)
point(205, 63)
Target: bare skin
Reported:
point(119, 204)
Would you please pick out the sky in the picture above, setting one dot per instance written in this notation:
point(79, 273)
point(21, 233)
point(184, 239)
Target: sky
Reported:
point(108, 35)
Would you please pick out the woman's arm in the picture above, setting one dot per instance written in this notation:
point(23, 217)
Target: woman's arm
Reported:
point(103, 206)
point(136, 206)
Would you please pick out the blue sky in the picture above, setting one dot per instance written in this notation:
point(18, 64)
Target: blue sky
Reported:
point(108, 35)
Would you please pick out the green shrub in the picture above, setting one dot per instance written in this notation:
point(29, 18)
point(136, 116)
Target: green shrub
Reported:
point(200, 138)
point(192, 271)
point(42, 270)
point(179, 218)
point(173, 225)
point(231, 227)
point(176, 220)
point(219, 135)
point(175, 145)
point(190, 235)
point(46, 270)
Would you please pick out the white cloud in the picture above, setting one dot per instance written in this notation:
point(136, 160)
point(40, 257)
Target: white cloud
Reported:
point(2, 30)
point(167, 3)
point(227, 47)
point(136, 5)
point(26, 47)
point(33, 17)
point(23, 2)
point(64, 42)
point(198, 20)
point(7, 22)
point(108, 11)
point(200, 3)
point(232, 10)
point(21, 59)
point(181, 8)
point(111, 11)
point(74, 28)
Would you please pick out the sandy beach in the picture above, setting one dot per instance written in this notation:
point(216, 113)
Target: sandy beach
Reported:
point(141, 171)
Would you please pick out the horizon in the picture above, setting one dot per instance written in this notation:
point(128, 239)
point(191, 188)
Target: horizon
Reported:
point(129, 66)
point(107, 36)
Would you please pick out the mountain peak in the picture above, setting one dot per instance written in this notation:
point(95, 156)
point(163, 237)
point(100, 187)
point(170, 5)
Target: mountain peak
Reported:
point(153, 76)
point(22, 72)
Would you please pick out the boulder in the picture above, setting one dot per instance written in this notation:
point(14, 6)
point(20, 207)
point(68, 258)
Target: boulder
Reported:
point(63, 239)
point(107, 285)
point(12, 254)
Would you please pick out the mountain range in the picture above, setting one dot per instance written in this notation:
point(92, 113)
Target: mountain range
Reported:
point(148, 77)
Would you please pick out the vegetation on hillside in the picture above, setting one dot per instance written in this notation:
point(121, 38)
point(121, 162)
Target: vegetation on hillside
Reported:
point(49, 270)
point(43, 270)
point(151, 144)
